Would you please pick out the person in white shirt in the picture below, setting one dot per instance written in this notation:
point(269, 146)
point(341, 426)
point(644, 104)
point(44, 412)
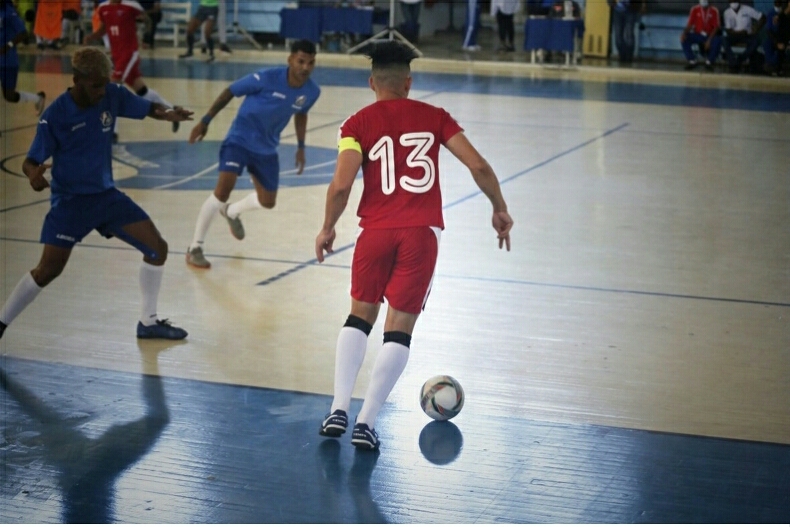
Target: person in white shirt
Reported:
point(504, 10)
point(742, 24)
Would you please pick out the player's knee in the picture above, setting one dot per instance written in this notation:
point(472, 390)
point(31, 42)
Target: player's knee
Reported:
point(354, 321)
point(400, 337)
point(11, 96)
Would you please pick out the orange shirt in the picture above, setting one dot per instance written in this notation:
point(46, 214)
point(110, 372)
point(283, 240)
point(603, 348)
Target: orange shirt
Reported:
point(48, 16)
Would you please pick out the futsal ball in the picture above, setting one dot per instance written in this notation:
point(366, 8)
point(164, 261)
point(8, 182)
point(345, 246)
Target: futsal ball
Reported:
point(441, 397)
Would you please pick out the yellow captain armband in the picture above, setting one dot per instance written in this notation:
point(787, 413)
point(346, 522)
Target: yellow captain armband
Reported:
point(348, 143)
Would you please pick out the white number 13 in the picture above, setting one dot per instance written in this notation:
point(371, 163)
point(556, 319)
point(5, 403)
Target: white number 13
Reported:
point(421, 143)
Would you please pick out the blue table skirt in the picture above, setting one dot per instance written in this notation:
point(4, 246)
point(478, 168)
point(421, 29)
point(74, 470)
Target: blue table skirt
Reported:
point(552, 34)
point(310, 22)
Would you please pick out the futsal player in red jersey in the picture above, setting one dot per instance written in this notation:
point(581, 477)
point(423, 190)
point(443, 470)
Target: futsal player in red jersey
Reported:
point(119, 22)
point(396, 142)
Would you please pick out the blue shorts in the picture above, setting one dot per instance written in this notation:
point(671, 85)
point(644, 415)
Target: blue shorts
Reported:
point(71, 218)
point(8, 76)
point(264, 168)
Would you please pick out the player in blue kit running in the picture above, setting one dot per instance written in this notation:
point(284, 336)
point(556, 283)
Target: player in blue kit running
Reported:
point(12, 33)
point(271, 97)
point(76, 132)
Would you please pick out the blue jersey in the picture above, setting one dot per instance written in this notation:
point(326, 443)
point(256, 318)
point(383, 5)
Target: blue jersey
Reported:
point(79, 140)
point(10, 26)
point(268, 105)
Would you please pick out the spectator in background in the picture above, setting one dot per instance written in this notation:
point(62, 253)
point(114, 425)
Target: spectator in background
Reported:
point(153, 15)
point(504, 10)
point(739, 23)
point(70, 23)
point(48, 29)
point(703, 29)
point(410, 9)
point(777, 37)
point(471, 25)
point(625, 15)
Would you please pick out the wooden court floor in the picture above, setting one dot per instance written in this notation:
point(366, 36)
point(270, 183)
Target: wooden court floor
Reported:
point(627, 361)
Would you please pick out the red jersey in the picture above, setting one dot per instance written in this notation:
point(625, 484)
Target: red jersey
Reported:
point(704, 20)
point(120, 22)
point(400, 142)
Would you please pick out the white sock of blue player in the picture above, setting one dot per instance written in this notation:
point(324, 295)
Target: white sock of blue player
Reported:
point(25, 96)
point(209, 209)
point(249, 202)
point(23, 294)
point(387, 369)
point(150, 283)
point(350, 352)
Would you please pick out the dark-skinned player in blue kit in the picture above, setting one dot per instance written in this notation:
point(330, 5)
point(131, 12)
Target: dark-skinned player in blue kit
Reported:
point(76, 132)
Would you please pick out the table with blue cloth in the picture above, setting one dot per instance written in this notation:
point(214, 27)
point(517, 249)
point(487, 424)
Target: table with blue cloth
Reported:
point(553, 34)
point(310, 23)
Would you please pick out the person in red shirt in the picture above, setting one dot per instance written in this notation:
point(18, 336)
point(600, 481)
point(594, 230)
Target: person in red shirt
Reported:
point(118, 20)
point(703, 29)
point(396, 142)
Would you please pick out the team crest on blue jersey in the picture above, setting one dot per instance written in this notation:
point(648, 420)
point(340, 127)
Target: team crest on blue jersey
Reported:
point(299, 102)
point(106, 119)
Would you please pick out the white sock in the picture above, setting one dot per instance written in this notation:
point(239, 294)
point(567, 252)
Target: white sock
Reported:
point(350, 352)
point(207, 212)
point(250, 202)
point(150, 283)
point(26, 96)
point(387, 370)
point(153, 96)
point(23, 294)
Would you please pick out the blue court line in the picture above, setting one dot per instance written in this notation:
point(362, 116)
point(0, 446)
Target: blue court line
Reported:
point(458, 201)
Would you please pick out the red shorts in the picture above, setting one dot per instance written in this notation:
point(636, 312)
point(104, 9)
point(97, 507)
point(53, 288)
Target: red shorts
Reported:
point(396, 264)
point(126, 67)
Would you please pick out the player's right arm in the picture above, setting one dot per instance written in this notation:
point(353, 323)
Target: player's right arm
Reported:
point(486, 180)
point(200, 129)
point(35, 173)
point(349, 161)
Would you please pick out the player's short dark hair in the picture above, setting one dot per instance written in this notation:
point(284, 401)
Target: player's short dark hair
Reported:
point(305, 46)
point(390, 54)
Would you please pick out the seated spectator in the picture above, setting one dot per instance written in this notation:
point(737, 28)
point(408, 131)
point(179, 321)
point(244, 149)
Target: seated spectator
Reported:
point(739, 23)
point(702, 29)
point(70, 23)
point(777, 37)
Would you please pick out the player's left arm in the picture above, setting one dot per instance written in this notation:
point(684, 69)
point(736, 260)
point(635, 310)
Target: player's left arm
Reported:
point(300, 123)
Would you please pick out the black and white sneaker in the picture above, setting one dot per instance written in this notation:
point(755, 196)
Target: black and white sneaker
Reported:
point(334, 424)
point(365, 437)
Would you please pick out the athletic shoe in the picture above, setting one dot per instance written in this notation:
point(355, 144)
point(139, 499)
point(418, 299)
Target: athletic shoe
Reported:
point(708, 65)
point(195, 258)
point(690, 65)
point(2, 329)
point(334, 424)
point(210, 59)
point(176, 125)
point(472, 48)
point(185, 55)
point(225, 49)
point(41, 103)
point(236, 228)
point(161, 330)
point(364, 437)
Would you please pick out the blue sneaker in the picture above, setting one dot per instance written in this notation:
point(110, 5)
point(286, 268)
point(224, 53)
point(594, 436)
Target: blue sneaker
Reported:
point(365, 437)
point(334, 424)
point(161, 330)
